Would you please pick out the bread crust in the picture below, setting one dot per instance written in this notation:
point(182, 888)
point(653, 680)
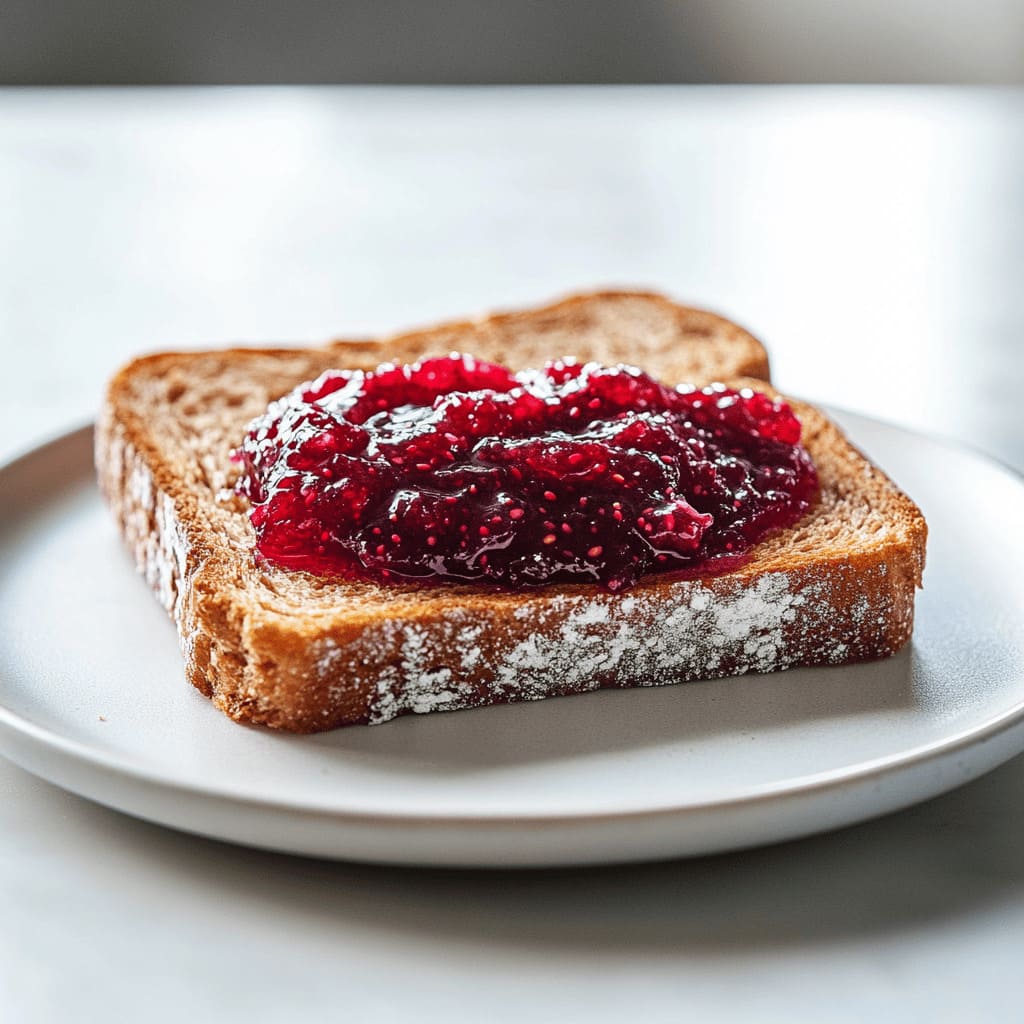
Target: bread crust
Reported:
point(303, 654)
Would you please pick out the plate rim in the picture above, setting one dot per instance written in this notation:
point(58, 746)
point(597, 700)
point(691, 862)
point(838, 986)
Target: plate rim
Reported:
point(804, 786)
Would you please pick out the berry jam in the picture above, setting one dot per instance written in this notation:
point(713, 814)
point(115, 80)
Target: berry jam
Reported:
point(461, 470)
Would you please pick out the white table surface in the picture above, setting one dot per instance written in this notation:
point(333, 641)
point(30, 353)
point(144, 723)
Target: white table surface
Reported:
point(873, 237)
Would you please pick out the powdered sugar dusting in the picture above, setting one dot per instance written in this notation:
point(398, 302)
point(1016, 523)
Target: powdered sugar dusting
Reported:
point(571, 644)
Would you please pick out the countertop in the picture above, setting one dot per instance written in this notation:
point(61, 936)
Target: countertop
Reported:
point(872, 237)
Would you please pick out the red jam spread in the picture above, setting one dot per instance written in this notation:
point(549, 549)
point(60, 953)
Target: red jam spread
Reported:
point(455, 469)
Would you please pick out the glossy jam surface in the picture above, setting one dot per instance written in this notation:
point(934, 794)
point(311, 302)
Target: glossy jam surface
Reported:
point(461, 470)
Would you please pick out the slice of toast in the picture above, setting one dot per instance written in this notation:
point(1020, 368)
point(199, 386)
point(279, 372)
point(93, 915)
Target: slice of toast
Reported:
point(302, 653)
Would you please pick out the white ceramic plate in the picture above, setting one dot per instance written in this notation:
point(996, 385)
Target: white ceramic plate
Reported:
point(92, 697)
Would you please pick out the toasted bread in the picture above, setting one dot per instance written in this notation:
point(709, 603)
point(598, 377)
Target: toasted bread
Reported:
point(303, 653)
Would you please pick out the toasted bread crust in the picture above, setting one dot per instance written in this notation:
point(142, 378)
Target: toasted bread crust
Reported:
point(303, 654)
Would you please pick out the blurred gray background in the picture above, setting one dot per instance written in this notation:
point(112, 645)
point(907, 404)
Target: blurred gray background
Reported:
point(498, 41)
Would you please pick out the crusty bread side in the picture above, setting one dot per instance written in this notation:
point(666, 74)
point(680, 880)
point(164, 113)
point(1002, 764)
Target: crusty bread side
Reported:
point(297, 652)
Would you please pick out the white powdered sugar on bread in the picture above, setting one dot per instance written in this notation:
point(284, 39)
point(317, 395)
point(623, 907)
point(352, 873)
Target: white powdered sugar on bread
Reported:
point(579, 643)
